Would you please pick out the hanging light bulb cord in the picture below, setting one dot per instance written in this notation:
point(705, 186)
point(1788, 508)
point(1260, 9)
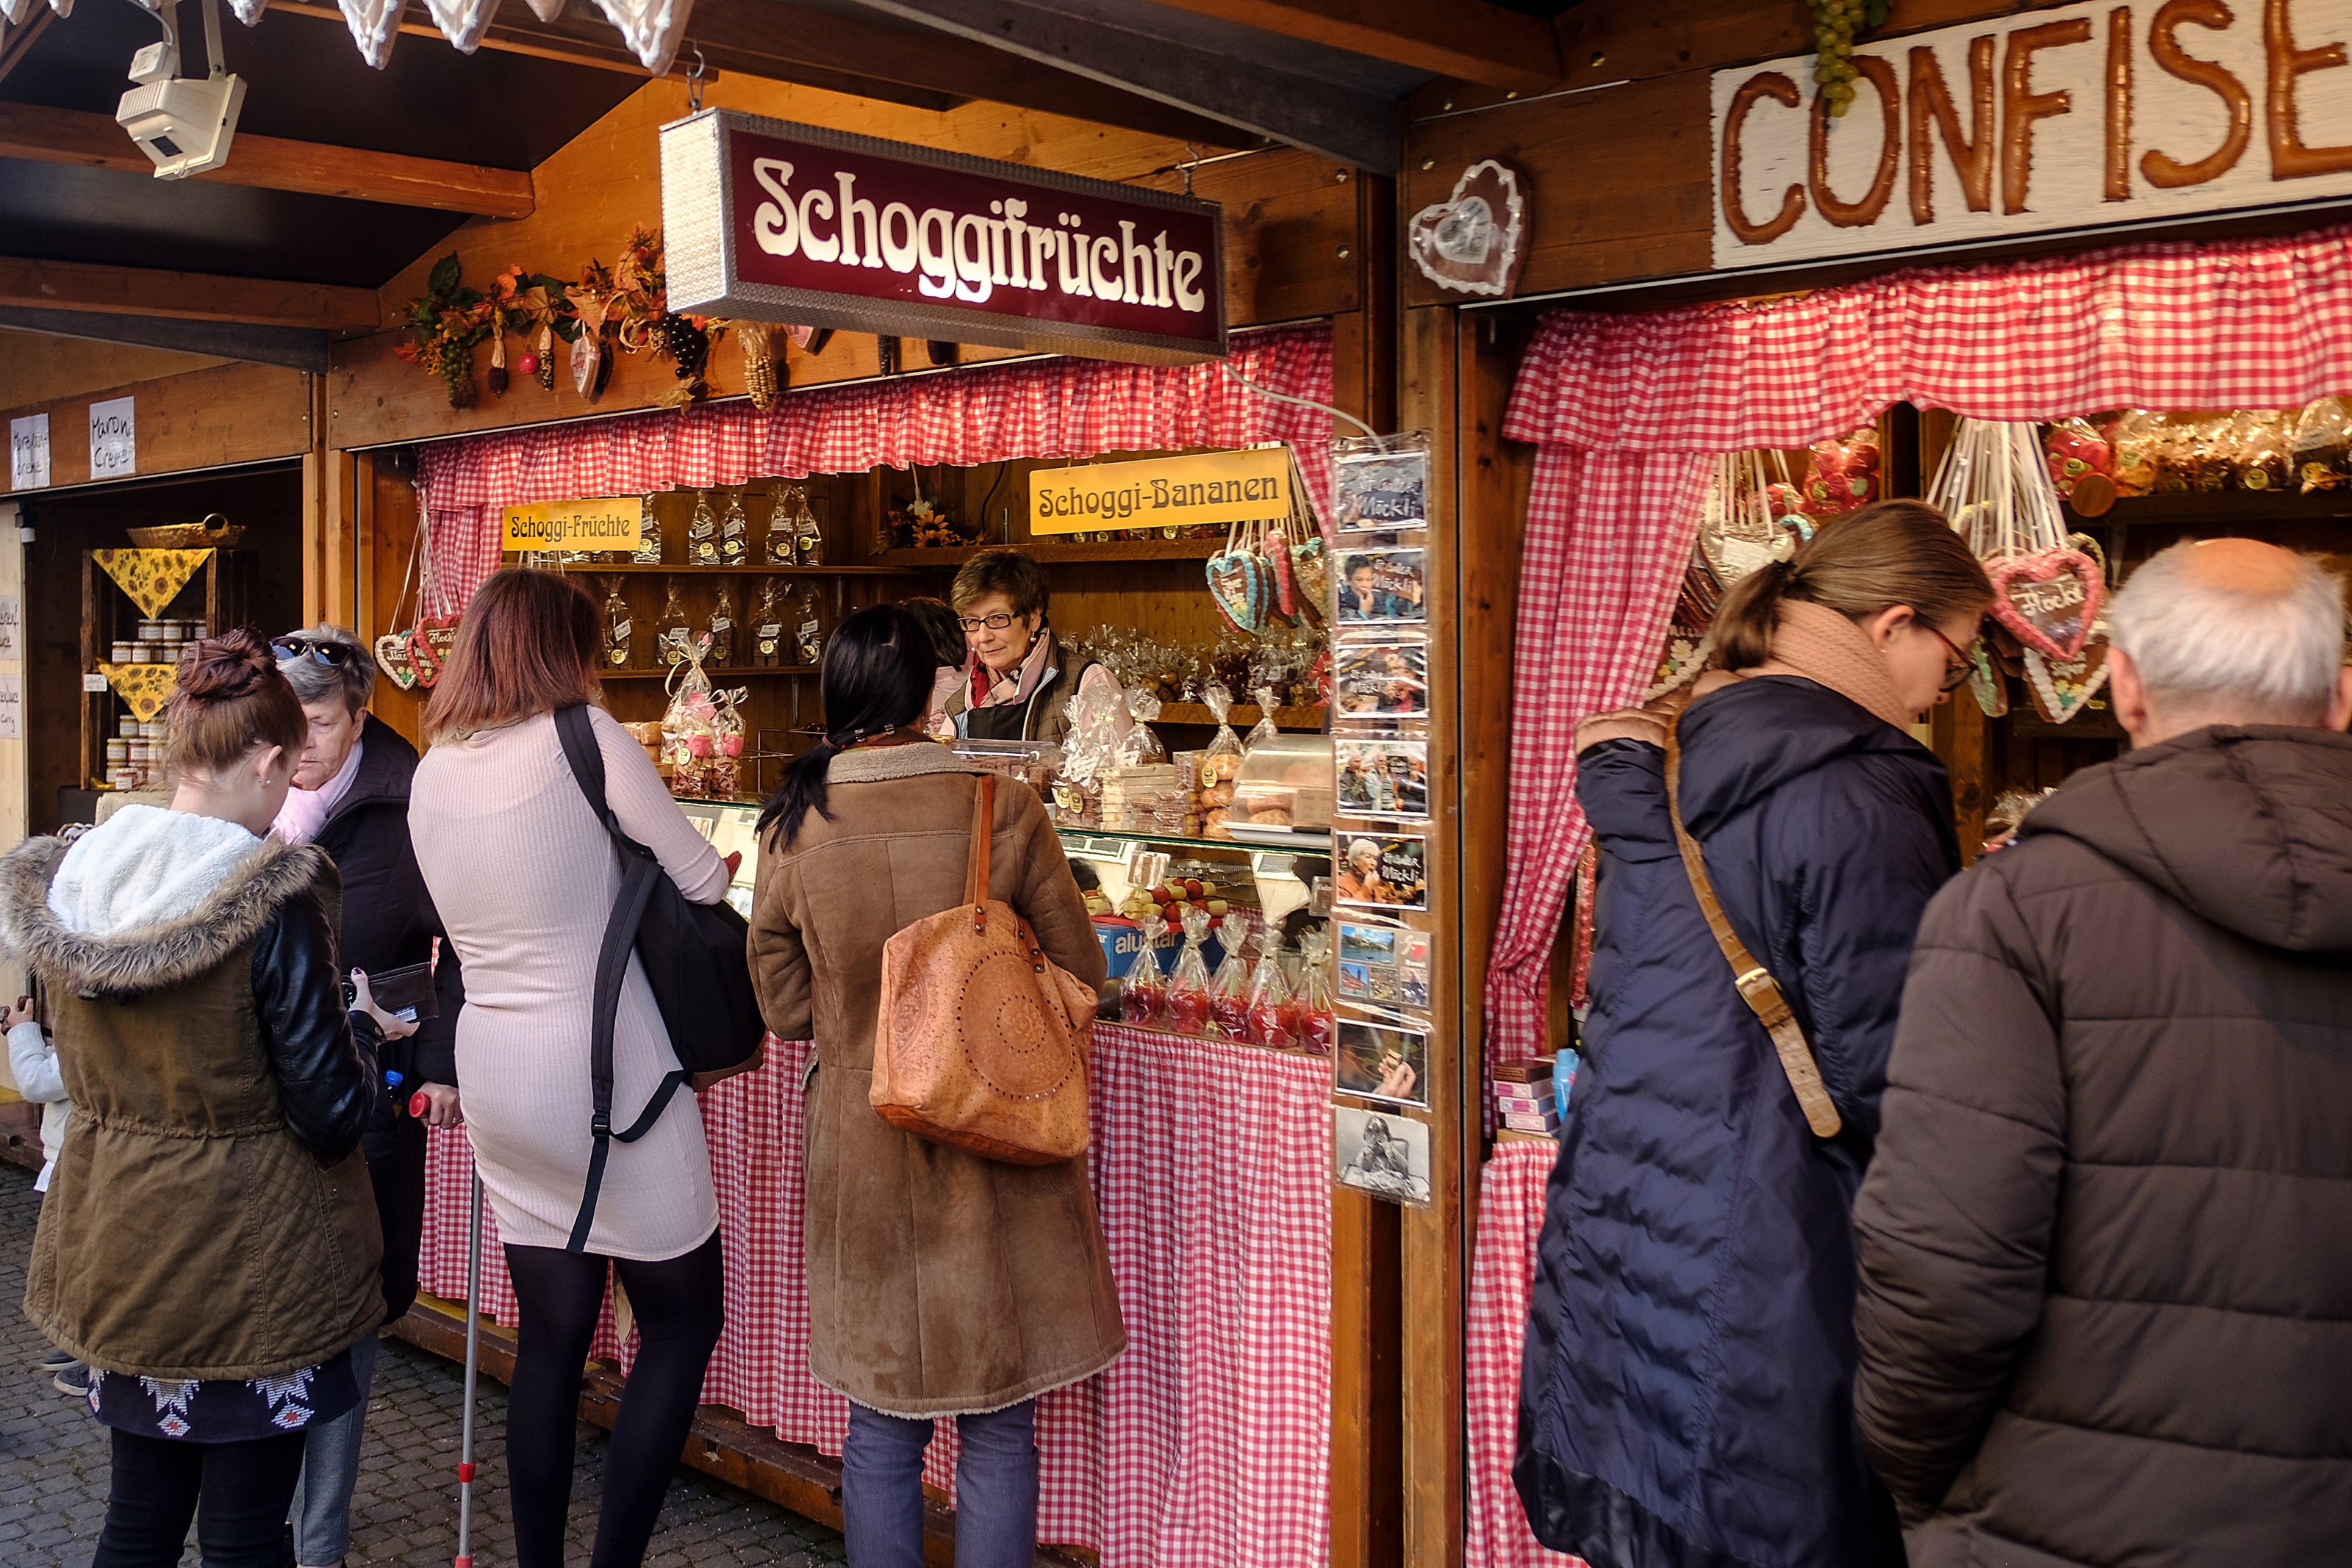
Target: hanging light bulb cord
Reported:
point(1227, 366)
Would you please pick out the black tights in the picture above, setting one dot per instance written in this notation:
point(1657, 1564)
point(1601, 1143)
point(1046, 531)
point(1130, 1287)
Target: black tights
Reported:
point(679, 1305)
point(238, 1493)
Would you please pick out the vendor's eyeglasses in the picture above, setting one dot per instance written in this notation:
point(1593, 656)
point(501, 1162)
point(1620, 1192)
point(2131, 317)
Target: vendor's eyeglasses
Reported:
point(1968, 666)
point(996, 622)
point(335, 656)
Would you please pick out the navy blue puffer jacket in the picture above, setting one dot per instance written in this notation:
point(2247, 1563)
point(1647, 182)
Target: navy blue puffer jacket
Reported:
point(1687, 1394)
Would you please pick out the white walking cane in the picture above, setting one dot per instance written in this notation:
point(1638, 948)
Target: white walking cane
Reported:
point(473, 1361)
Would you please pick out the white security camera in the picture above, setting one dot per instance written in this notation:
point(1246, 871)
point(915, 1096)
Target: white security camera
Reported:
point(184, 123)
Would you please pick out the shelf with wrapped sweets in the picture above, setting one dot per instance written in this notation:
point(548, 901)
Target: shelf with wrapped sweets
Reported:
point(1243, 714)
point(713, 670)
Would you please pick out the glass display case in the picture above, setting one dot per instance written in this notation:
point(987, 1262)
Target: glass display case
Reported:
point(730, 826)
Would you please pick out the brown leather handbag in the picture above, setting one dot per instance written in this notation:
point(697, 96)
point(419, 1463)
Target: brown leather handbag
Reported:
point(981, 1040)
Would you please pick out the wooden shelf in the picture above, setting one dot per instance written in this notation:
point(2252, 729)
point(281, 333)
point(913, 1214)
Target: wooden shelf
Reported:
point(1242, 717)
point(1055, 552)
point(715, 672)
point(2214, 506)
point(591, 568)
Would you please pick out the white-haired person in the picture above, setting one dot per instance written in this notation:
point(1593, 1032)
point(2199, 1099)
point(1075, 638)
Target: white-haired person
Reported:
point(349, 798)
point(2105, 1310)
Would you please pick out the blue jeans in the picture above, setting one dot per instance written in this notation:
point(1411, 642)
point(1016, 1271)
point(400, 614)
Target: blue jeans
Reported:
point(997, 1489)
point(331, 1469)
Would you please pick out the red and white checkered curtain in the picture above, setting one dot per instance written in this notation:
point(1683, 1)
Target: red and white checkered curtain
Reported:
point(990, 413)
point(1627, 410)
point(1206, 1445)
point(1502, 1278)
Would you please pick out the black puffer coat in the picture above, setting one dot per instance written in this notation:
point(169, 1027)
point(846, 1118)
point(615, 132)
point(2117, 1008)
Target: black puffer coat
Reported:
point(2106, 1246)
point(388, 923)
point(1686, 1395)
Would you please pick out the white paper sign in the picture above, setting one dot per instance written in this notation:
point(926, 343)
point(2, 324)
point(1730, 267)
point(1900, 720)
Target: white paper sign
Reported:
point(28, 452)
point(2069, 118)
point(113, 439)
point(12, 626)
point(12, 707)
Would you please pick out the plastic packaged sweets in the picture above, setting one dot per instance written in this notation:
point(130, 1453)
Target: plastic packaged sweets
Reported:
point(671, 628)
point(702, 533)
point(620, 630)
point(1272, 1016)
point(768, 626)
point(808, 629)
point(649, 532)
point(2322, 447)
point(722, 629)
point(808, 540)
point(1229, 992)
point(734, 532)
point(1143, 990)
point(779, 548)
point(1186, 1008)
point(1313, 1004)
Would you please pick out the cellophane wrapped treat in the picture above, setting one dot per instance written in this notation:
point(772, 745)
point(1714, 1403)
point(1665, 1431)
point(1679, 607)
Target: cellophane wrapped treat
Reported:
point(1143, 990)
point(2322, 447)
point(1313, 1003)
point(1264, 729)
point(1845, 474)
point(2264, 462)
point(1272, 1020)
point(1229, 990)
point(1186, 1007)
point(726, 778)
point(1218, 764)
point(2131, 440)
point(2076, 450)
point(691, 726)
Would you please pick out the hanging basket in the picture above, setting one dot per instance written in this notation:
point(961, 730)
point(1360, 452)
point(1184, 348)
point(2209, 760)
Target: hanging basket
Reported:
point(202, 535)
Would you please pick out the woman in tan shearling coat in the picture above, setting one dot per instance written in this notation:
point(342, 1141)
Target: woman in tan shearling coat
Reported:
point(939, 1282)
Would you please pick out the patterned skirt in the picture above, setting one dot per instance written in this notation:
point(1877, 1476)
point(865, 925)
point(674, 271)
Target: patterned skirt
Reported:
point(223, 1409)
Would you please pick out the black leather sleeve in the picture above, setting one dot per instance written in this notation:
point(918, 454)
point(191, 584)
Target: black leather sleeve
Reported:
point(324, 1058)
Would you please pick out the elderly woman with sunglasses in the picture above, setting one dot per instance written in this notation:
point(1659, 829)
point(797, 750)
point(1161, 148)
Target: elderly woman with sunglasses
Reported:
point(351, 799)
point(1017, 680)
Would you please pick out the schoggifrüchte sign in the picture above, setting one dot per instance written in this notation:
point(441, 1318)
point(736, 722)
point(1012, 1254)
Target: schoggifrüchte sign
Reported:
point(2074, 118)
point(778, 222)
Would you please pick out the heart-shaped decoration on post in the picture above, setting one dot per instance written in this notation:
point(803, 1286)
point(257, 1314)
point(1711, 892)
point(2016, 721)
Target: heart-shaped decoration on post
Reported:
point(2049, 599)
point(1310, 564)
point(2063, 690)
point(1238, 587)
point(1473, 241)
point(392, 658)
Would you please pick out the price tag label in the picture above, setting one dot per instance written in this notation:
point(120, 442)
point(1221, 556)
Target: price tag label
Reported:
point(93, 682)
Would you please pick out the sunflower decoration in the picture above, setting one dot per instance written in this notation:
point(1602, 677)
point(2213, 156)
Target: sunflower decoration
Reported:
point(447, 319)
point(535, 307)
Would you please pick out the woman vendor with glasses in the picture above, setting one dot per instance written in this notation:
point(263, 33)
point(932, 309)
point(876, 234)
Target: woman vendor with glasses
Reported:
point(1017, 680)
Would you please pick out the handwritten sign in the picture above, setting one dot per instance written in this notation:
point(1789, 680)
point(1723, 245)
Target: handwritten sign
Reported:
point(2071, 118)
point(12, 707)
point(28, 452)
point(113, 439)
point(12, 626)
point(1162, 492)
point(611, 523)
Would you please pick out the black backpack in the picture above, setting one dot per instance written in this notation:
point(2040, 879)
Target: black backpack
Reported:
point(696, 957)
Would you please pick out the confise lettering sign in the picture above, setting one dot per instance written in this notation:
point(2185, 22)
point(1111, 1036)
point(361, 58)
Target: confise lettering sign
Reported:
point(1162, 492)
point(2066, 118)
point(791, 222)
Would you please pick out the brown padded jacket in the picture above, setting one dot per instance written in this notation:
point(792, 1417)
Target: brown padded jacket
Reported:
point(2105, 1311)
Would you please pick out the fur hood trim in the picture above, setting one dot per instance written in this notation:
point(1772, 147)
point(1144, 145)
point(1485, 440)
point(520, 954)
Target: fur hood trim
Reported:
point(147, 957)
point(881, 764)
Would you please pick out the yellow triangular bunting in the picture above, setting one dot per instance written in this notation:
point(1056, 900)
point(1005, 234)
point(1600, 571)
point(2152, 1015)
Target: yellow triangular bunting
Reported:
point(153, 577)
point(146, 687)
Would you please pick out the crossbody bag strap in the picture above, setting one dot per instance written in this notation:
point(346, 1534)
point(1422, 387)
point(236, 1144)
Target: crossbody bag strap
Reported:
point(984, 821)
point(638, 869)
point(1749, 977)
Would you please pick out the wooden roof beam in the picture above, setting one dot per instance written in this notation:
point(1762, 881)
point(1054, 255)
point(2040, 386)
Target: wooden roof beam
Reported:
point(1467, 38)
point(270, 164)
point(185, 296)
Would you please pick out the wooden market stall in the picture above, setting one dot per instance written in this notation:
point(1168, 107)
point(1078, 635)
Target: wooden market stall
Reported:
point(1716, 267)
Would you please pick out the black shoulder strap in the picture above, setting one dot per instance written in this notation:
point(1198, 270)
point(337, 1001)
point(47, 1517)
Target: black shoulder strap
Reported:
point(638, 869)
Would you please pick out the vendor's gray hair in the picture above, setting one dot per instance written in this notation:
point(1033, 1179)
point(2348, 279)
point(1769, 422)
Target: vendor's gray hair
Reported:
point(2207, 645)
point(313, 681)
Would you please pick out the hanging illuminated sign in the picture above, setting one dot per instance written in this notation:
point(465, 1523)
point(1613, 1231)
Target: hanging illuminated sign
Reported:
point(778, 222)
point(2071, 118)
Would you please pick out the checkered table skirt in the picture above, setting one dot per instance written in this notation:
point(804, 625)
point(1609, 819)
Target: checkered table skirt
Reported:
point(1208, 1444)
point(1502, 1272)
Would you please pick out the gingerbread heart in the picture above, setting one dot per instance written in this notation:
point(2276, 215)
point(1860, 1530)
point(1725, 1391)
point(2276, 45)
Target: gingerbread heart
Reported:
point(1276, 555)
point(1473, 241)
point(2062, 690)
point(392, 658)
point(1985, 682)
point(1310, 564)
point(2049, 599)
point(1238, 587)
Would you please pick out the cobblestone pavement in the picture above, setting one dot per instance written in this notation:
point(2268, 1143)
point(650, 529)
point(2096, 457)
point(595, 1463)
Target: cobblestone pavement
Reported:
point(53, 1463)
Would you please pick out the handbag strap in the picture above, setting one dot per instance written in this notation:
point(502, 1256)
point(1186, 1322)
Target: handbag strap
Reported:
point(638, 868)
point(983, 818)
point(1749, 977)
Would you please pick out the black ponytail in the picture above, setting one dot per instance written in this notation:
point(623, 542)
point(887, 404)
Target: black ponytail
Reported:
point(877, 676)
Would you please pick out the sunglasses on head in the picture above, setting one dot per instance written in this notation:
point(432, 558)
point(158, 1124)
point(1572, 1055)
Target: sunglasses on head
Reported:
point(334, 655)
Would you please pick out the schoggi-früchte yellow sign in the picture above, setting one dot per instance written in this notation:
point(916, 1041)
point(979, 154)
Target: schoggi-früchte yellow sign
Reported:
point(1162, 492)
point(609, 524)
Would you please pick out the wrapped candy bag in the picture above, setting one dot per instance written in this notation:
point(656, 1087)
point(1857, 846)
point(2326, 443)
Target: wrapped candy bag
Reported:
point(2321, 447)
point(2074, 451)
point(1273, 1020)
point(1214, 772)
point(1264, 729)
point(690, 727)
point(1089, 752)
point(2131, 443)
point(1139, 747)
point(1314, 1007)
point(727, 729)
point(1143, 990)
point(1229, 992)
point(2262, 460)
point(1186, 1006)
point(1845, 474)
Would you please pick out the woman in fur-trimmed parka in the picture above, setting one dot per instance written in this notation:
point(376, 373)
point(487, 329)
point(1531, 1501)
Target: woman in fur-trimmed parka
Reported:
point(209, 1242)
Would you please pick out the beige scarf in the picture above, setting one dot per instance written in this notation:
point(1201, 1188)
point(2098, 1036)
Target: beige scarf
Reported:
point(1817, 643)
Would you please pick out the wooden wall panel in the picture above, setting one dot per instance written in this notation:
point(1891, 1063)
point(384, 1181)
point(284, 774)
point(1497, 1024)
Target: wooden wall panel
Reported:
point(38, 367)
point(229, 413)
point(1293, 245)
